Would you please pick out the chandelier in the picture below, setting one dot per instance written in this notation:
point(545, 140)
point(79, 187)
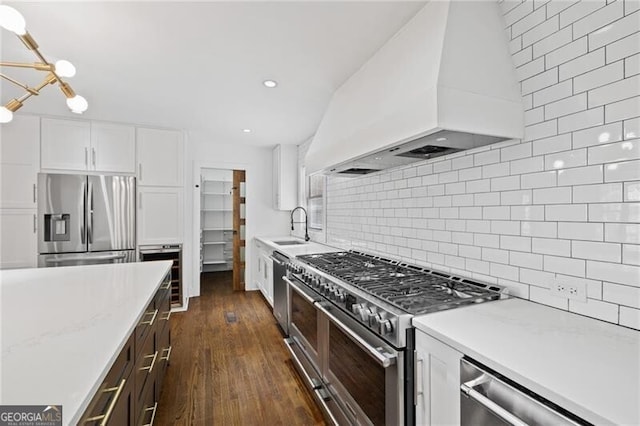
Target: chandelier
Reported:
point(12, 20)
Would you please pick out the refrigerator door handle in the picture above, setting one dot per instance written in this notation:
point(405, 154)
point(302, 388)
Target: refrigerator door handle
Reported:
point(90, 214)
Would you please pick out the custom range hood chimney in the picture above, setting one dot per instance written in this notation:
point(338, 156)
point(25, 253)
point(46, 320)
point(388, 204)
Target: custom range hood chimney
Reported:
point(445, 82)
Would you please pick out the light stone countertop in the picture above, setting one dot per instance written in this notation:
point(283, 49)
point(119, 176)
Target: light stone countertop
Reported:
point(309, 247)
point(62, 329)
point(589, 367)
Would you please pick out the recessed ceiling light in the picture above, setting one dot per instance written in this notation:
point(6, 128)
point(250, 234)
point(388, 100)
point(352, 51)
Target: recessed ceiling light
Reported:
point(441, 139)
point(246, 130)
point(270, 83)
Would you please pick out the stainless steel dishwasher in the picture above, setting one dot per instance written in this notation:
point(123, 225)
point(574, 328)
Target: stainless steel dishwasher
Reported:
point(487, 398)
point(280, 302)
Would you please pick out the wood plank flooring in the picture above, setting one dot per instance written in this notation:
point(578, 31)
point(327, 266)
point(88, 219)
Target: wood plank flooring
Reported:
point(226, 372)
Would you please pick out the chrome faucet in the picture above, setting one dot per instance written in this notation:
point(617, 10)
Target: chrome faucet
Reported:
point(306, 225)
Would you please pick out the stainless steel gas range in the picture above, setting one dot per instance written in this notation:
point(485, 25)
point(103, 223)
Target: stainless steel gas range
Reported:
point(350, 330)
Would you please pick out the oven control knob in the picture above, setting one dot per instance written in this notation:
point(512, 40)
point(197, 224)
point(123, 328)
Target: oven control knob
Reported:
point(385, 326)
point(365, 314)
point(315, 282)
point(356, 308)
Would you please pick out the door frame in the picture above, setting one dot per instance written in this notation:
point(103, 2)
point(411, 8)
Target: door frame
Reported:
point(195, 232)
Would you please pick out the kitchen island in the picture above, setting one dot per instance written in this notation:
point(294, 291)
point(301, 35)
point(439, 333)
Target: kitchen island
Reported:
point(590, 368)
point(63, 328)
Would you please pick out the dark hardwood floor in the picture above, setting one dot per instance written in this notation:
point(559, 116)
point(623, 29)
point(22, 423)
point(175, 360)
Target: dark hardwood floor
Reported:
point(226, 372)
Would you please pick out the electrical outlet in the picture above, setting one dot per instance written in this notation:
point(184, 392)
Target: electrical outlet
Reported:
point(575, 289)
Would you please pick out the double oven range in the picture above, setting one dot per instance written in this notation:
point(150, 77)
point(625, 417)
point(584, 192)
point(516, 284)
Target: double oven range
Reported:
point(350, 332)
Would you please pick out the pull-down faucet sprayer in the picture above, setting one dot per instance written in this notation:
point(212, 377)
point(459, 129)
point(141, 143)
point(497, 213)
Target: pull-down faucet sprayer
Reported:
point(306, 222)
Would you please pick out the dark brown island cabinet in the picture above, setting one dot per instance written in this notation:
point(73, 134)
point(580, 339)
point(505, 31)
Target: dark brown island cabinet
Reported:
point(130, 393)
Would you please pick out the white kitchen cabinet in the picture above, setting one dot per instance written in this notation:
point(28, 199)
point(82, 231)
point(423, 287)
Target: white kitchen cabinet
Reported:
point(65, 144)
point(285, 172)
point(18, 243)
point(19, 162)
point(159, 215)
point(160, 154)
point(87, 146)
point(437, 382)
point(263, 271)
point(113, 148)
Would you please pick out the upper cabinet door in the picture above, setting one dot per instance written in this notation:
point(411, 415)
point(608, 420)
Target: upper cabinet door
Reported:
point(113, 148)
point(19, 162)
point(65, 144)
point(160, 154)
point(285, 172)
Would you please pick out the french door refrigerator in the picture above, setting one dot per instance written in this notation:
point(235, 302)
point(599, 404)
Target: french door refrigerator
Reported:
point(85, 219)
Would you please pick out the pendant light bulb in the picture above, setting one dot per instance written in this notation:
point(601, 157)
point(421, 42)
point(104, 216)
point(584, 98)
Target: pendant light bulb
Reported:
point(77, 104)
point(65, 68)
point(5, 115)
point(12, 20)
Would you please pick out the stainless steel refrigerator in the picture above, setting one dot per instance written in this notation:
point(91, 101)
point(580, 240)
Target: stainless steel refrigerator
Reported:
point(85, 219)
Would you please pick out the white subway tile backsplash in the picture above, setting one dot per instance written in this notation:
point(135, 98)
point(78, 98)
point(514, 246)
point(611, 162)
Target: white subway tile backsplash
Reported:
point(582, 64)
point(505, 227)
point(539, 229)
point(495, 170)
point(455, 188)
point(615, 31)
point(581, 120)
point(509, 198)
point(527, 165)
point(448, 177)
point(606, 252)
point(581, 231)
point(515, 243)
point(556, 6)
point(632, 66)
point(566, 53)
point(598, 19)
point(552, 42)
point(527, 212)
point(566, 106)
point(630, 317)
point(525, 260)
point(621, 294)
point(566, 212)
point(518, 12)
point(614, 92)
point(476, 186)
point(528, 22)
point(495, 255)
point(614, 272)
point(631, 191)
point(462, 162)
point(487, 199)
point(604, 193)
point(614, 212)
point(514, 152)
point(553, 93)
point(552, 196)
point(551, 246)
point(624, 171)
point(565, 159)
point(631, 6)
point(504, 271)
point(505, 183)
point(496, 212)
point(538, 180)
point(632, 128)
point(599, 77)
point(619, 151)
point(462, 200)
point(623, 48)
point(515, 288)
point(540, 81)
point(539, 32)
point(487, 157)
point(553, 144)
point(536, 278)
point(564, 265)
point(579, 11)
point(580, 175)
point(629, 108)
point(622, 233)
point(596, 309)
point(472, 173)
point(523, 56)
point(631, 254)
point(442, 166)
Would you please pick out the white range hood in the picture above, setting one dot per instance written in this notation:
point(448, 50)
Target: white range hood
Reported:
point(443, 83)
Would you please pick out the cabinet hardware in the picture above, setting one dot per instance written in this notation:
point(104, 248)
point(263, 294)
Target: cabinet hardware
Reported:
point(35, 223)
point(86, 156)
point(168, 316)
point(93, 156)
point(153, 414)
point(153, 362)
point(104, 418)
point(417, 368)
point(167, 286)
point(140, 171)
point(153, 318)
point(35, 199)
point(140, 201)
point(166, 358)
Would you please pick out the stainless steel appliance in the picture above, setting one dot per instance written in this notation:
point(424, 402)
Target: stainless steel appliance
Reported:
point(487, 398)
point(351, 335)
point(85, 219)
point(280, 298)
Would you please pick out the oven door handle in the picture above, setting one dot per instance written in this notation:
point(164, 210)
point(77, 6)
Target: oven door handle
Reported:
point(383, 358)
point(298, 290)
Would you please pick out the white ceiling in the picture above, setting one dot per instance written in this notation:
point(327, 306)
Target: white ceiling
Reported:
point(199, 66)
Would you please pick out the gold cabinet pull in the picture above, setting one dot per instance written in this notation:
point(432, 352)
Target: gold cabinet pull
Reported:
point(166, 358)
point(153, 318)
point(168, 316)
point(153, 362)
point(167, 286)
point(153, 414)
point(104, 418)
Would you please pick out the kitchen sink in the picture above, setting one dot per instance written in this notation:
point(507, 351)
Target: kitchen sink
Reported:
point(289, 243)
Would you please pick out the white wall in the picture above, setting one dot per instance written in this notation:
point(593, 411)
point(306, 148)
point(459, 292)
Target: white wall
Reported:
point(262, 219)
point(560, 204)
